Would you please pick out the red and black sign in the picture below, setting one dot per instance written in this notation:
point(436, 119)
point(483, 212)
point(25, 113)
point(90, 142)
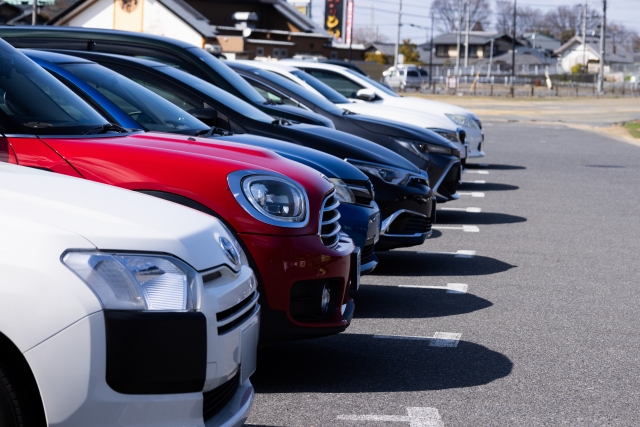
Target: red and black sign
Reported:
point(334, 18)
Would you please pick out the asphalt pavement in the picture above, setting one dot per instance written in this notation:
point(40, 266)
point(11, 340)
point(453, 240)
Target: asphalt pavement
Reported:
point(527, 316)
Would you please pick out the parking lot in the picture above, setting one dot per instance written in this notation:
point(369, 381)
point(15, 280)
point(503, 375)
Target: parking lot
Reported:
point(521, 309)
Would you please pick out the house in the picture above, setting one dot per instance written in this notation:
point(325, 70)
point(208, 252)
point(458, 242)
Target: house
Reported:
point(236, 28)
point(19, 12)
point(541, 42)
point(575, 52)
point(445, 47)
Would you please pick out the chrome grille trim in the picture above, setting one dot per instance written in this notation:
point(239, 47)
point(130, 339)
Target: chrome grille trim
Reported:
point(329, 227)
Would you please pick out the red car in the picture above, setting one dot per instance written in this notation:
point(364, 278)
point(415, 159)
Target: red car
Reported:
point(284, 213)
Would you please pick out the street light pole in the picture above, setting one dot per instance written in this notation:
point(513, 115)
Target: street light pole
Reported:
point(466, 38)
point(395, 61)
point(513, 51)
point(433, 86)
point(459, 29)
point(34, 12)
point(602, 46)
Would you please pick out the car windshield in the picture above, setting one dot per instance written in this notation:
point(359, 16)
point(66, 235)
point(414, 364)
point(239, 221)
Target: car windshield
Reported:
point(34, 102)
point(413, 73)
point(423, 72)
point(229, 79)
point(225, 98)
point(145, 107)
point(325, 90)
point(300, 92)
point(377, 85)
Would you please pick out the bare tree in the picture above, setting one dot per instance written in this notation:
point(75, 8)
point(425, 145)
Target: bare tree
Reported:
point(367, 35)
point(528, 19)
point(449, 11)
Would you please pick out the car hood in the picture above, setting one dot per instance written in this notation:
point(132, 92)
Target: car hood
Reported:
point(327, 164)
point(399, 130)
point(110, 218)
point(392, 110)
point(346, 146)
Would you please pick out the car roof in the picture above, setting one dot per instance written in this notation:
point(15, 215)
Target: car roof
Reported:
point(54, 57)
point(263, 65)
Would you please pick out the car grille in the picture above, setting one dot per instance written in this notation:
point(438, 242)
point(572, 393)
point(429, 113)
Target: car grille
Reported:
point(410, 224)
point(451, 181)
point(329, 226)
point(367, 254)
point(232, 317)
point(217, 398)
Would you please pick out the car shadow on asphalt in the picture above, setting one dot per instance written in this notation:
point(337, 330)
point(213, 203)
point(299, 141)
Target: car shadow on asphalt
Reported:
point(488, 186)
point(407, 263)
point(434, 234)
point(357, 363)
point(494, 167)
point(393, 302)
point(479, 218)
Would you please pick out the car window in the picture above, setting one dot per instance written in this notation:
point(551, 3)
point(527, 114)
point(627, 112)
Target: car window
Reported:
point(145, 107)
point(34, 102)
point(343, 85)
point(413, 73)
point(272, 96)
point(374, 83)
point(423, 72)
point(401, 72)
point(329, 93)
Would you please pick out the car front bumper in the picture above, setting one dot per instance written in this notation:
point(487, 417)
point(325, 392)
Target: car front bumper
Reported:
point(294, 269)
point(362, 224)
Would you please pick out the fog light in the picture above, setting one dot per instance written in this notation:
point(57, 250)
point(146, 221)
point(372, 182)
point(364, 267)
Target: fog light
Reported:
point(326, 297)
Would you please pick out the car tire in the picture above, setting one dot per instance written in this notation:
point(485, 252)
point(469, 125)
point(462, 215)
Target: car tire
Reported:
point(17, 408)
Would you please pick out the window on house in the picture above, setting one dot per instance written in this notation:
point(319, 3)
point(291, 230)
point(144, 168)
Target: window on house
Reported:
point(276, 52)
point(442, 51)
point(333, 55)
point(260, 51)
point(283, 53)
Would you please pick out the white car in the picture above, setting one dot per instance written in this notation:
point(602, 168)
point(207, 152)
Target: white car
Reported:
point(405, 76)
point(365, 91)
point(119, 309)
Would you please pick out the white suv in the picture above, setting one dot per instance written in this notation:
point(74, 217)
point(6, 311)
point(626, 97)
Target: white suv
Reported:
point(117, 308)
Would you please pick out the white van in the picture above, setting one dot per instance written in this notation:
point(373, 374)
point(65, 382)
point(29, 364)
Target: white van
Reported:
point(406, 76)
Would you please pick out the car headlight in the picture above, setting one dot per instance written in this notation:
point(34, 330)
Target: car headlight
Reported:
point(137, 281)
point(448, 135)
point(343, 192)
point(461, 120)
point(422, 149)
point(386, 173)
point(270, 197)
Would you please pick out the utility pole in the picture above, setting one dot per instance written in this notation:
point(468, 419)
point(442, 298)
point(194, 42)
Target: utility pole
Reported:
point(395, 61)
point(584, 37)
point(310, 9)
point(459, 29)
point(603, 29)
point(513, 51)
point(34, 12)
point(433, 86)
point(466, 38)
point(490, 59)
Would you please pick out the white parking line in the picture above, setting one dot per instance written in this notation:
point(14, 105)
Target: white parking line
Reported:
point(472, 194)
point(451, 288)
point(418, 417)
point(457, 254)
point(472, 210)
point(465, 228)
point(439, 339)
point(479, 172)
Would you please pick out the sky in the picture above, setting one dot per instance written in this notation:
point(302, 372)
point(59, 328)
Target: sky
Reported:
point(385, 14)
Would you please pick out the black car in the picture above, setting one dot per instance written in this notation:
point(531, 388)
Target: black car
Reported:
point(406, 203)
point(423, 147)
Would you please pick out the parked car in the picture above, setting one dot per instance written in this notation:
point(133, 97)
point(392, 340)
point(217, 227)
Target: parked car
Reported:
point(365, 90)
point(118, 308)
point(401, 191)
point(130, 105)
point(177, 53)
point(405, 77)
point(436, 155)
point(283, 213)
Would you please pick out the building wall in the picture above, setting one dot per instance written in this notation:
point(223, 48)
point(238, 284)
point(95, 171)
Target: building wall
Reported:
point(161, 21)
point(99, 14)
point(574, 56)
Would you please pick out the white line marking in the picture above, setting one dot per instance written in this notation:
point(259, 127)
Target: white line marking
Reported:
point(451, 288)
point(466, 228)
point(483, 165)
point(439, 339)
point(473, 210)
point(477, 181)
point(418, 417)
point(479, 172)
point(472, 194)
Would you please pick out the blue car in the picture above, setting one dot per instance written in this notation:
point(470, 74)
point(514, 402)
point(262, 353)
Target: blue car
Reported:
point(127, 104)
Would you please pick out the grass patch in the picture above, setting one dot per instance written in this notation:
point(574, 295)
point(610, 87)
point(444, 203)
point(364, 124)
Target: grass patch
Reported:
point(633, 128)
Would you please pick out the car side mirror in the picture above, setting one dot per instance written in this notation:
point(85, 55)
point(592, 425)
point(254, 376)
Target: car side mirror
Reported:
point(366, 94)
point(206, 115)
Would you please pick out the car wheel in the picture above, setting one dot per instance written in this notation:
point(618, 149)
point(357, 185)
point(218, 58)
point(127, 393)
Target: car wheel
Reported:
point(16, 409)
